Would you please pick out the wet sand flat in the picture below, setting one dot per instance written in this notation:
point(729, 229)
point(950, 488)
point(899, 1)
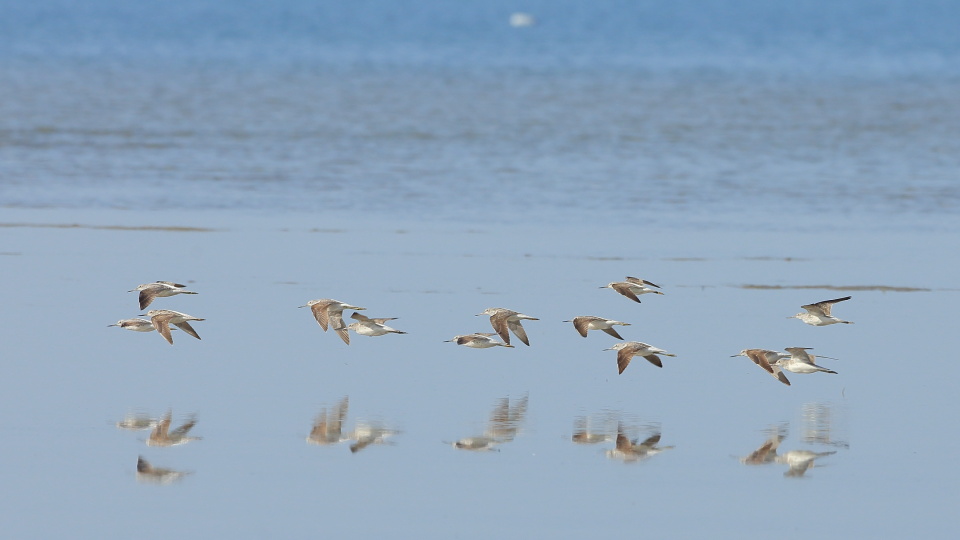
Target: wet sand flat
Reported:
point(264, 370)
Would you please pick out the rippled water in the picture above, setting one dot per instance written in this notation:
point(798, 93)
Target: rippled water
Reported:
point(427, 161)
point(529, 125)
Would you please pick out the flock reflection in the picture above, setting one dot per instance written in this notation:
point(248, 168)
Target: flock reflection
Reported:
point(631, 451)
point(160, 436)
point(610, 428)
point(822, 435)
point(327, 429)
point(148, 474)
point(820, 427)
point(503, 426)
point(328, 425)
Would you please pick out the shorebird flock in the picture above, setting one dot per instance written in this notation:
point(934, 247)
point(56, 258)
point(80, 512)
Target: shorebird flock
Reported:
point(505, 322)
point(506, 418)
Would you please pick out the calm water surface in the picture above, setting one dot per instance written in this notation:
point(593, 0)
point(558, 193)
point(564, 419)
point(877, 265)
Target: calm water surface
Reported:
point(428, 161)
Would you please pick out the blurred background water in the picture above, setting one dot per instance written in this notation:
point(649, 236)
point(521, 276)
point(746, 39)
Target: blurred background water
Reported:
point(690, 112)
point(427, 160)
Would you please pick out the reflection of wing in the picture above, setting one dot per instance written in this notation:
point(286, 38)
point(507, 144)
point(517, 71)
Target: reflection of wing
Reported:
point(766, 452)
point(181, 431)
point(499, 425)
point(361, 444)
point(519, 411)
point(623, 443)
point(505, 420)
point(798, 469)
point(163, 427)
point(651, 441)
point(320, 428)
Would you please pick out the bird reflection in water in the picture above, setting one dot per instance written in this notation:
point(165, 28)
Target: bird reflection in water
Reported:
point(366, 434)
point(631, 451)
point(819, 428)
point(503, 426)
point(162, 436)
point(327, 426)
point(328, 429)
point(823, 424)
point(137, 422)
point(584, 431)
point(767, 453)
point(800, 460)
point(148, 474)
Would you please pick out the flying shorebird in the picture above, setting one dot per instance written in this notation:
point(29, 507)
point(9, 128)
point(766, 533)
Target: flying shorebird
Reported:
point(768, 360)
point(587, 322)
point(479, 340)
point(819, 314)
point(327, 427)
point(327, 310)
point(503, 319)
point(800, 361)
point(628, 349)
point(163, 318)
point(137, 325)
point(630, 451)
point(162, 436)
point(150, 291)
point(365, 326)
point(633, 287)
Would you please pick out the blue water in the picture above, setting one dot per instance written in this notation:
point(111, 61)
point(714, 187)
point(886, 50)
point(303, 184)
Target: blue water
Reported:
point(427, 160)
point(685, 115)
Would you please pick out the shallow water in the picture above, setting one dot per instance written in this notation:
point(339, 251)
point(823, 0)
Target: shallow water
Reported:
point(264, 370)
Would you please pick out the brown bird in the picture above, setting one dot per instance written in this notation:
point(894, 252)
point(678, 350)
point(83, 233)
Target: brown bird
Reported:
point(503, 320)
point(328, 311)
point(587, 322)
point(633, 287)
point(768, 360)
point(163, 318)
point(628, 349)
